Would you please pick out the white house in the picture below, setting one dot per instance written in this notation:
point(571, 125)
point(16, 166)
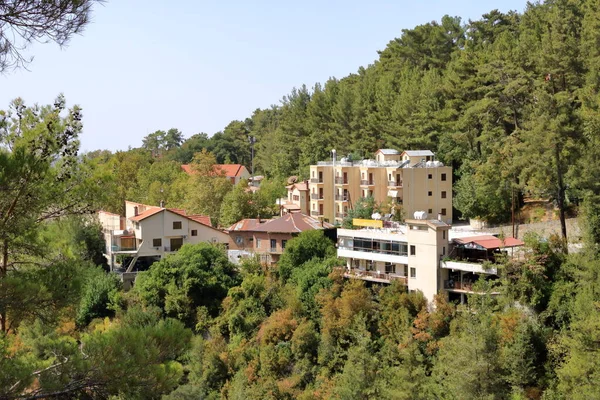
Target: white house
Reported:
point(153, 232)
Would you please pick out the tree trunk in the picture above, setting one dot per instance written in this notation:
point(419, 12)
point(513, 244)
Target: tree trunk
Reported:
point(561, 196)
point(3, 270)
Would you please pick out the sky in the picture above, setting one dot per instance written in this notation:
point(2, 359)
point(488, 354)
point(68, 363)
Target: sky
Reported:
point(196, 65)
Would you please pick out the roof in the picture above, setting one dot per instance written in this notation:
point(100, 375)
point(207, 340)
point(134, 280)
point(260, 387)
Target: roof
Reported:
point(418, 153)
point(291, 206)
point(388, 151)
point(202, 219)
point(301, 186)
point(244, 225)
point(228, 170)
point(148, 213)
point(292, 223)
point(490, 241)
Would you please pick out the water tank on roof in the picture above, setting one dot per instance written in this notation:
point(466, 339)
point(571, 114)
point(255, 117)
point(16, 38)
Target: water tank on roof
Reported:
point(344, 159)
point(429, 164)
point(439, 163)
point(420, 215)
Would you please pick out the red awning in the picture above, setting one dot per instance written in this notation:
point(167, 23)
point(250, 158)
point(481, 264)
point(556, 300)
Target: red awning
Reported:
point(490, 242)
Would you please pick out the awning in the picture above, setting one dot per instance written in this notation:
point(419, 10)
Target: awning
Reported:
point(489, 241)
point(393, 193)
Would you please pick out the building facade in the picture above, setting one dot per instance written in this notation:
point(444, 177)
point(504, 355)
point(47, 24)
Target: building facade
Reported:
point(412, 180)
point(149, 232)
point(424, 256)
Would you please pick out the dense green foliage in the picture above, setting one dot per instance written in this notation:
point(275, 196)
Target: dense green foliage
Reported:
point(510, 101)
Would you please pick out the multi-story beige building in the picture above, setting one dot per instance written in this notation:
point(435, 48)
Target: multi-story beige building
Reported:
point(424, 255)
point(412, 180)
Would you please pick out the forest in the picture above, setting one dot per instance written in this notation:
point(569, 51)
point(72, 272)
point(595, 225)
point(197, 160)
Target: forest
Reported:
point(509, 100)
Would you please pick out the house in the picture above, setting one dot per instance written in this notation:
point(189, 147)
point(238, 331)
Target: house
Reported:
point(234, 172)
point(412, 180)
point(423, 255)
point(297, 199)
point(148, 233)
point(269, 238)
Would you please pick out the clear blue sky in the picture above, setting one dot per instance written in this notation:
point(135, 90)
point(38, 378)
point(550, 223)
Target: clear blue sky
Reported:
point(144, 65)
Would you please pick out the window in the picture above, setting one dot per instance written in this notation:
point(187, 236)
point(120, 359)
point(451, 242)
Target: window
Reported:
point(443, 177)
point(413, 250)
point(390, 268)
point(176, 243)
point(283, 243)
point(443, 250)
point(194, 232)
point(443, 211)
point(429, 176)
point(176, 224)
point(157, 242)
point(405, 270)
point(430, 211)
point(429, 193)
point(136, 225)
point(444, 235)
point(370, 265)
point(239, 240)
point(273, 243)
point(413, 272)
point(443, 194)
point(257, 243)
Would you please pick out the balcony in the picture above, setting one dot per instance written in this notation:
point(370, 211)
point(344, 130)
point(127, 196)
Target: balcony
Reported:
point(341, 215)
point(315, 213)
point(118, 249)
point(316, 180)
point(315, 196)
point(374, 276)
point(275, 250)
point(465, 286)
point(365, 182)
point(339, 197)
point(340, 180)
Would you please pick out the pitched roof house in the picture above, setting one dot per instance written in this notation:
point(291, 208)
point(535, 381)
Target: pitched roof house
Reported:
point(234, 172)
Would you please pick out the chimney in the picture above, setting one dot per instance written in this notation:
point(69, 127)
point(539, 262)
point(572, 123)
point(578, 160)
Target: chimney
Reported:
point(162, 204)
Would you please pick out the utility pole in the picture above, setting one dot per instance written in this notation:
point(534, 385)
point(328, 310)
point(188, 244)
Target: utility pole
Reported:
point(252, 140)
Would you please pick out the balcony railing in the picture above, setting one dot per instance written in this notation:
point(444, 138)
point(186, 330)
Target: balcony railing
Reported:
point(365, 182)
point(316, 180)
point(340, 180)
point(341, 215)
point(274, 250)
point(395, 183)
point(115, 248)
point(339, 197)
point(374, 275)
point(451, 284)
point(314, 213)
point(315, 196)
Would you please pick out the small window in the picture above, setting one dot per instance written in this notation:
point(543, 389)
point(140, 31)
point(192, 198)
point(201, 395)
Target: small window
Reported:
point(405, 270)
point(156, 242)
point(283, 243)
point(443, 211)
point(413, 272)
point(429, 176)
point(443, 250)
point(239, 240)
point(413, 250)
point(176, 224)
point(443, 194)
point(430, 211)
point(430, 193)
point(194, 232)
point(443, 177)
point(444, 235)
point(258, 243)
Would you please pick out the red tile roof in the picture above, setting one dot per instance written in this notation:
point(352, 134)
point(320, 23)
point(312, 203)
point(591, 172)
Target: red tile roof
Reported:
point(490, 241)
point(202, 219)
point(228, 170)
point(301, 186)
point(292, 223)
point(149, 212)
